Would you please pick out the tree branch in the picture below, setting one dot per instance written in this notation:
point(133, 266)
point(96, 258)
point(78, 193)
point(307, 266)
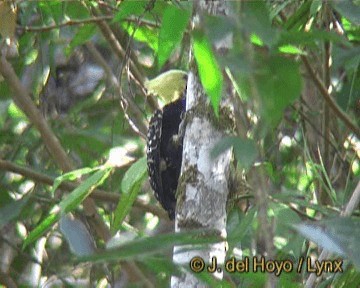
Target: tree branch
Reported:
point(116, 46)
point(112, 35)
point(203, 186)
point(81, 22)
point(64, 24)
point(22, 99)
point(97, 194)
point(329, 100)
point(137, 115)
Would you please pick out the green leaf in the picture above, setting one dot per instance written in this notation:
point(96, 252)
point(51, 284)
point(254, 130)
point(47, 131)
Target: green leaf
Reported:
point(287, 241)
point(128, 8)
point(315, 7)
point(310, 38)
point(71, 176)
point(94, 139)
point(239, 225)
point(291, 49)
point(304, 204)
point(135, 174)
point(15, 112)
point(140, 248)
point(300, 17)
point(348, 9)
point(257, 19)
point(75, 198)
point(159, 264)
point(83, 35)
point(349, 279)
point(173, 26)
point(44, 226)
point(256, 40)
point(31, 57)
point(339, 235)
point(69, 203)
point(130, 187)
point(77, 10)
point(209, 70)
point(244, 149)
point(56, 10)
point(144, 34)
point(279, 84)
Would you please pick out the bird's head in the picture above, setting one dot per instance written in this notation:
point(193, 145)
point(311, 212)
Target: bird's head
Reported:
point(169, 86)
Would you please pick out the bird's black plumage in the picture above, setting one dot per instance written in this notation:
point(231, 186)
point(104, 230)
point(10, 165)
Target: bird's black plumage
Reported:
point(164, 153)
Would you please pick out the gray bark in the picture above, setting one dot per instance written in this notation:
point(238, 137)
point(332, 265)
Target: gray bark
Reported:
point(203, 185)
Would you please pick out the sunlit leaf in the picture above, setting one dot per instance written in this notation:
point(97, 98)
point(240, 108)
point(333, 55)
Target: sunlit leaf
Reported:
point(209, 70)
point(71, 176)
point(15, 112)
point(148, 35)
point(43, 227)
point(290, 49)
point(128, 8)
point(31, 57)
point(78, 195)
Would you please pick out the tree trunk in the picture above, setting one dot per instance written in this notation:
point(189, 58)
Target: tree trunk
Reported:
point(203, 185)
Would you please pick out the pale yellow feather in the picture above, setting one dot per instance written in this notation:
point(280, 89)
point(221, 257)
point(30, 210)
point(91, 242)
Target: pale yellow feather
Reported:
point(169, 86)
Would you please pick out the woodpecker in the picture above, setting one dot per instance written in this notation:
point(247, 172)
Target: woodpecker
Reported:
point(164, 142)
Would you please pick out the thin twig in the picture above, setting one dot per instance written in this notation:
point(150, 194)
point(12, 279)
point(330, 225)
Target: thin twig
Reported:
point(116, 46)
point(97, 194)
point(81, 22)
point(313, 126)
point(327, 83)
point(137, 115)
point(329, 100)
point(64, 24)
point(114, 36)
point(22, 99)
